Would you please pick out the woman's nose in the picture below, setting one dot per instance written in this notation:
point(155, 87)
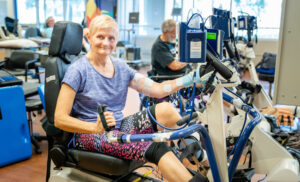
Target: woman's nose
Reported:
point(106, 41)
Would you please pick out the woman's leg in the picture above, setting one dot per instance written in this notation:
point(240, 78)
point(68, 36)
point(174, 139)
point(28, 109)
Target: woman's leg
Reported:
point(172, 169)
point(166, 115)
point(169, 165)
point(138, 123)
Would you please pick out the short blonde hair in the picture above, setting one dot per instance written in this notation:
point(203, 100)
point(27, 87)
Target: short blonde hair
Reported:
point(103, 21)
point(168, 25)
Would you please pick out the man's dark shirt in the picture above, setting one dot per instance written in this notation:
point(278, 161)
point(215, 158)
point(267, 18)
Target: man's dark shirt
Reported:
point(162, 54)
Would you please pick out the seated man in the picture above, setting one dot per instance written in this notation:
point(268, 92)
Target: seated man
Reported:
point(163, 52)
point(49, 26)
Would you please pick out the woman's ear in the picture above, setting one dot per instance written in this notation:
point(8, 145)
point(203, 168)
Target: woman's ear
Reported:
point(87, 35)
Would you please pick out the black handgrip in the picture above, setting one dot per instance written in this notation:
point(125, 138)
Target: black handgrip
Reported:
point(220, 67)
point(229, 49)
point(101, 110)
point(185, 118)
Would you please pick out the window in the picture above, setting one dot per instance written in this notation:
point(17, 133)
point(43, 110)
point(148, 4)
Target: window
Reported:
point(37, 11)
point(154, 12)
point(26, 11)
point(151, 15)
point(3, 11)
point(268, 14)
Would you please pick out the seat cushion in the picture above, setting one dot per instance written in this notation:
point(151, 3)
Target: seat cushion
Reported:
point(270, 71)
point(266, 77)
point(102, 163)
point(33, 105)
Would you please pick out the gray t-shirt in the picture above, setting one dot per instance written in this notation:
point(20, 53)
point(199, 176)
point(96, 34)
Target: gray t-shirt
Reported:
point(162, 54)
point(93, 89)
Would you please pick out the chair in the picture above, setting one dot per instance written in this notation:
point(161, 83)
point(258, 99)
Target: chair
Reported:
point(33, 32)
point(11, 25)
point(65, 46)
point(33, 105)
point(20, 62)
point(266, 69)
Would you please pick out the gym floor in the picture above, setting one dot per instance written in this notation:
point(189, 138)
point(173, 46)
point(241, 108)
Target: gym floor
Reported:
point(34, 168)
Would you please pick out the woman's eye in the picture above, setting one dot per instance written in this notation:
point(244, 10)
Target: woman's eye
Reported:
point(100, 37)
point(111, 38)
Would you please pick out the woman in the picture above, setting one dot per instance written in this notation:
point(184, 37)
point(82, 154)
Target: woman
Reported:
point(97, 79)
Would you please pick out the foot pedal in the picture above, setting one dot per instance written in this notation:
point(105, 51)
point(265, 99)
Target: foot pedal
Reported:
point(244, 175)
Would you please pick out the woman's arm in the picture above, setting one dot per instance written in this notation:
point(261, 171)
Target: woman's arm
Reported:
point(64, 121)
point(159, 90)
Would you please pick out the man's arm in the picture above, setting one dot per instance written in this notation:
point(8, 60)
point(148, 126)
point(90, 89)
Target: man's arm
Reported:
point(176, 65)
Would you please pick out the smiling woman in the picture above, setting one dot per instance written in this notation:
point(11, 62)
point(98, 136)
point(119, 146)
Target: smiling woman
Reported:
point(98, 78)
point(103, 37)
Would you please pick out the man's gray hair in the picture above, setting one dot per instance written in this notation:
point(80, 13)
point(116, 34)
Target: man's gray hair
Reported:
point(168, 25)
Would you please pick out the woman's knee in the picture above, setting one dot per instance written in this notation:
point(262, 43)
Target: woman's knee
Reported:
point(155, 152)
point(164, 107)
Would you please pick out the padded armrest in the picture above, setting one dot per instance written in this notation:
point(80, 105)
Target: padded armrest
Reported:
point(165, 77)
point(29, 63)
point(3, 62)
point(30, 89)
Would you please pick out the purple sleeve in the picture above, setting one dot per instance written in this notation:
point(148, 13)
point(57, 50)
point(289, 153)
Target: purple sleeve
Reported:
point(73, 77)
point(129, 70)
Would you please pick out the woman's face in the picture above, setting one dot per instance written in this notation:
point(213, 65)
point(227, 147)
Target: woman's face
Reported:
point(103, 41)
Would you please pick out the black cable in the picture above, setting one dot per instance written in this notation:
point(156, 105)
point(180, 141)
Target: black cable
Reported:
point(295, 112)
point(262, 178)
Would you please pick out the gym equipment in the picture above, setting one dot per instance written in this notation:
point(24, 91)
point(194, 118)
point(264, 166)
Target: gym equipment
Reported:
point(14, 130)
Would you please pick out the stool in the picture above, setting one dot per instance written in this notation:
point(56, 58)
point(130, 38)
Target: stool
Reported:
point(267, 75)
point(31, 106)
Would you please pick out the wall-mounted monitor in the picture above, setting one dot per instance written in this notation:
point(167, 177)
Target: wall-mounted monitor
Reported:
point(134, 17)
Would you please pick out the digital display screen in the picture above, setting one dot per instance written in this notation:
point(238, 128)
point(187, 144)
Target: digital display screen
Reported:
point(211, 35)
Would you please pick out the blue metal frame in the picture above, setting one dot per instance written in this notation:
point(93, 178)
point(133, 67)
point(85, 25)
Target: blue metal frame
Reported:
point(162, 137)
point(178, 135)
point(244, 136)
point(15, 9)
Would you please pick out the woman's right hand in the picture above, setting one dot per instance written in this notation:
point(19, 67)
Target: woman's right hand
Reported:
point(110, 120)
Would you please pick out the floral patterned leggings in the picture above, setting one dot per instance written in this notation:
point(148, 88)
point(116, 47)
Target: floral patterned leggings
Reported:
point(138, 123)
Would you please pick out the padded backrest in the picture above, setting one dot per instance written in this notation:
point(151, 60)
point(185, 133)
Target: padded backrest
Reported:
point(268, 61)
point(66, 40)
point(65, 45)
point(11, 25)
point(19, 58)
point(33, 32)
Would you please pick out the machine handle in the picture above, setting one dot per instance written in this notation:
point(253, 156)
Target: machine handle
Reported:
point(220, 67)
point(185, 118)
point(229, 49)
point(101, 109)
point(0, 114)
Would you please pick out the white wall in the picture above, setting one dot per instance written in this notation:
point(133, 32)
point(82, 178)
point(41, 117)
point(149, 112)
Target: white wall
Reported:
point(146, 42)
point(264, 46)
